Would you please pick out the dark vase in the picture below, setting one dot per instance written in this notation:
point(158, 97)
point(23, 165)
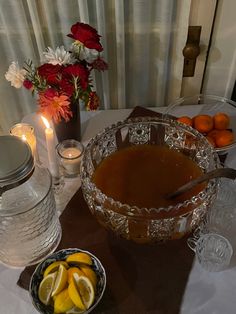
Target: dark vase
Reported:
point(71, 129)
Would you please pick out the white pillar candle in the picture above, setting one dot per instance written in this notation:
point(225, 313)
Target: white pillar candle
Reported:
point(50, 140)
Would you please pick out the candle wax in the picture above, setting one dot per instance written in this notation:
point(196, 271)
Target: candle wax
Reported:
point(71, 166)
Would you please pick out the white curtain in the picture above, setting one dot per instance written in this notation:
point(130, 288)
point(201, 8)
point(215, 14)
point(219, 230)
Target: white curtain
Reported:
point(142, 40)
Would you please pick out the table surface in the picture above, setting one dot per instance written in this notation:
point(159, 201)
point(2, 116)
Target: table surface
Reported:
point(205, 292)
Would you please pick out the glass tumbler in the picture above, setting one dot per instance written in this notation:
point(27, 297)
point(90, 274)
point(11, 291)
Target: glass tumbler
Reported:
point(29, 224)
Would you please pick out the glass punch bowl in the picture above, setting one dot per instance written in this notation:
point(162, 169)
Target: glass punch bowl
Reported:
point(144, 225)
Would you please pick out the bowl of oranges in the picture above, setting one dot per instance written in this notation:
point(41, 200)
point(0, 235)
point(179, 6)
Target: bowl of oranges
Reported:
point(212, 116)
point(68, 281)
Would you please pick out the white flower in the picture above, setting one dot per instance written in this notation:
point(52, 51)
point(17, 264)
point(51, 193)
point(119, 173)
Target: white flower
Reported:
point(59, 56)
point(15, 75)
point(84, 53)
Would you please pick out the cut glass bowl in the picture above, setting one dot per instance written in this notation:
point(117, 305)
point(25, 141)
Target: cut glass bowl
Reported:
point(148, 224)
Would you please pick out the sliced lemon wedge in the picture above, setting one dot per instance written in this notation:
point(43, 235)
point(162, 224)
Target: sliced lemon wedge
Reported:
point(74, 294)
point(85, 290)
point(90, 273)
point(63, 302)
point(54, 267)
point(60, 281)
point(80, 257)
point(46, 287)
point(73, 270)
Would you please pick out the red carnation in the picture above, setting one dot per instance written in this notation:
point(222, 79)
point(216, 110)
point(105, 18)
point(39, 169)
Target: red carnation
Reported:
point(87, 35)
point(50, 72)
point(67, 87)
point(80, 71)
point(99, 64)
point(28, 84)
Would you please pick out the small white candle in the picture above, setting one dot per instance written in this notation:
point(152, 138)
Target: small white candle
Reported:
point(26, 133)
point(70, 154)
point(71, 161)
point(50, 140)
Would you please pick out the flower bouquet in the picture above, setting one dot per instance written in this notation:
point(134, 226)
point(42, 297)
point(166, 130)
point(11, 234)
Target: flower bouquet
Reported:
point(65, 76)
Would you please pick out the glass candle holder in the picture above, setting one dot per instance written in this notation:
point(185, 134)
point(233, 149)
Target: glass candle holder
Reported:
point(26, 133)
point(70, 154)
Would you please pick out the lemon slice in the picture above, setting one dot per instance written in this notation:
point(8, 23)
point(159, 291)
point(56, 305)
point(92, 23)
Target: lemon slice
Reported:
point(73, 270)
point(80, 257)
point(75, 295)
point(54, 267)
point(60, 281)
point(88, 272)
point(46, 287)
point(85, 288)
point(63, 302)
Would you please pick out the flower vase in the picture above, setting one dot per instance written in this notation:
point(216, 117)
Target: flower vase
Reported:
point(69, 129)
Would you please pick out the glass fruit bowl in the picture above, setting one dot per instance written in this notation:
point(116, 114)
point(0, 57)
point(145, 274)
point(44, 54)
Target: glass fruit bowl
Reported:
point(142, 224)
point(207, 105)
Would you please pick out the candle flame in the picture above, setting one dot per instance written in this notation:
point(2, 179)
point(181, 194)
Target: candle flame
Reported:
point(24, 138)
point(45, 121)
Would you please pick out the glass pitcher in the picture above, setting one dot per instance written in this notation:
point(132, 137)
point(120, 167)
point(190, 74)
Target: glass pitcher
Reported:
point(29, 225)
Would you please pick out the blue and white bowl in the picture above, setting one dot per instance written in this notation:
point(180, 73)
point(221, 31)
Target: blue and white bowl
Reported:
point(60, 256)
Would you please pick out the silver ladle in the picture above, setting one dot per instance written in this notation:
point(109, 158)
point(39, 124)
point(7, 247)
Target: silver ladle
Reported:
point(216, 173)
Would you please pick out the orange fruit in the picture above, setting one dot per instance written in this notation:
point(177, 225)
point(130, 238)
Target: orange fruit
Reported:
point(203, 123)
point(213, 134)
point(221, 121)
point(186, 120)
point(224, 138)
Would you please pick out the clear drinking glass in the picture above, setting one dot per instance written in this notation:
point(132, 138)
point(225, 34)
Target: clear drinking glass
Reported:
point(213, 251)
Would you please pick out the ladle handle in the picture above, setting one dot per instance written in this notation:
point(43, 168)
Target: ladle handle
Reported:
point(216, 173)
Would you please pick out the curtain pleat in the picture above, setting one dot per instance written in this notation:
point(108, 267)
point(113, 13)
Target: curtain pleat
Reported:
point(120, 53)
point(101, 27)
point(142, 40)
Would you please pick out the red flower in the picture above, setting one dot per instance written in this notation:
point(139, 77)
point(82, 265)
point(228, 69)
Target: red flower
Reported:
point(67, 87)
point(87, 35)
point(80, 71)
point(54, 106)
point(28, 84)
point(93, 102)
point(50, 72)
point(99, 64)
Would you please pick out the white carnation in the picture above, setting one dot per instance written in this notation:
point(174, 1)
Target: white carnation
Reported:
point(58, 56)
point(15, 75)
point(84, 53)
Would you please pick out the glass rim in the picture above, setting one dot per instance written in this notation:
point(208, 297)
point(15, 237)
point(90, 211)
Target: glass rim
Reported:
point(18, 125)
point(75, 144)
point(178, 101)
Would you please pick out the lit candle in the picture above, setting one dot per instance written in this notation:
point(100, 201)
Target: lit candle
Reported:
point(26, 133)
point(52, 159)
point(70, 154)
